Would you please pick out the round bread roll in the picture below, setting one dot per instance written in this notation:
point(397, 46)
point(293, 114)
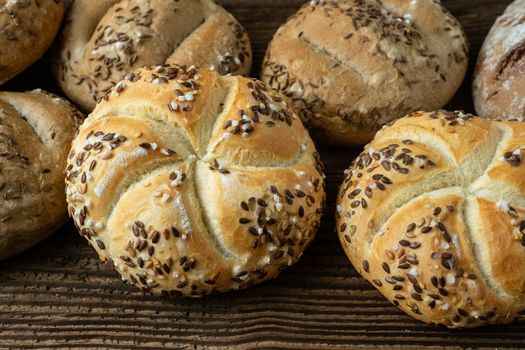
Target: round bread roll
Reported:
point(374, 61)
point(433, 214)
point(190, 182)
point(499, 82)
point(101, 43)
point(27, 29)
point(36, 130)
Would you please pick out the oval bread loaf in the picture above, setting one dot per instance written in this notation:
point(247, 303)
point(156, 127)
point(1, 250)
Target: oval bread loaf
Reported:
point(432, 213)
point(190, 182)
point(36, 130)
point(351, 66)
point(499, 83)
point(101, 43)
point(27, 28)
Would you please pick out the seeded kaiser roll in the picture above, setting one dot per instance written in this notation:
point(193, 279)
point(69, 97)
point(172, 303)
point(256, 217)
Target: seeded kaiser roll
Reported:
point(351, 66)
point(189, 182)
point(432, 213)
point(104, 39)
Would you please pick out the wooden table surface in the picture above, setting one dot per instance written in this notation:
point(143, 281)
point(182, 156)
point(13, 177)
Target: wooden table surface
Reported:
point(58, 295)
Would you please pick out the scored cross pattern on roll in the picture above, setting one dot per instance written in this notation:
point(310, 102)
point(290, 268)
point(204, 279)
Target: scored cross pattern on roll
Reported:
point(432, 213)
point(191, 182)
point(101, 43)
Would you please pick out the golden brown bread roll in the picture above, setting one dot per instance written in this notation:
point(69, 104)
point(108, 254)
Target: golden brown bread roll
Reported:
point(351, 66)
point(27, 28)
point(499, 83)
point(432, 213)
point(101, 43)
point(36, 130)
point(190, 182)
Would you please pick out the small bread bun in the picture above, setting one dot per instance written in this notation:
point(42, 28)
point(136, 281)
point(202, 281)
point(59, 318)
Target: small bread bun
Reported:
point(36, 130)
point(432, 213)
point(27, 28)
point(499, 79)
point(101, 43)
point(190, 182)
point(351, 66)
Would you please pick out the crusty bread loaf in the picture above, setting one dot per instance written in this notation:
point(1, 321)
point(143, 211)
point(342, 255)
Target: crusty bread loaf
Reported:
point(190, 182)
point(101, 43)
point(27, 28)
point(350, 66)
point(36, 130)
point(499, 79)
point(432, 213)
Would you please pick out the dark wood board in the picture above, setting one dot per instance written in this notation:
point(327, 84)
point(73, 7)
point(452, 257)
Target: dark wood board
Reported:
point(58, 295)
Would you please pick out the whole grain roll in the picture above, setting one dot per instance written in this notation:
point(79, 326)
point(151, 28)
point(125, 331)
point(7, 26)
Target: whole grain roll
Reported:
point(432, 213)
point(499, 83)
point(351, 66)
point(27, 28)
point(101, 43)
point(36, 130)
point(190, 182)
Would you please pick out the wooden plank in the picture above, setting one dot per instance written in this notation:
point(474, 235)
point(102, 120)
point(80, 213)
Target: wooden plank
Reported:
point(58, 295)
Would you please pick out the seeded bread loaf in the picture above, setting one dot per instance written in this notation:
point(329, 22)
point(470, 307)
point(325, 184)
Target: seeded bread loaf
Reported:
point(499, 82)
point(36, 130)
point(101, 43)
point(190, 182)
point(27, 28)
point(433, 214)
point(372, 62)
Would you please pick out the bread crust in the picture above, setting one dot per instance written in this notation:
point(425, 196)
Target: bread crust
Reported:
point(36, 130)
point(193, 183)
point(27, 28)
point(499, 85)
point(100, 44)
point(432, 214)
point(374, 61)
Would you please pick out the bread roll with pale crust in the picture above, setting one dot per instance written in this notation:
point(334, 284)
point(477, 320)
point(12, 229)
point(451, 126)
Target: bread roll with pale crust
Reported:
point(36, 130)
point(351, 66)
point(190, 182)
point(432, 213)
point(105, 39)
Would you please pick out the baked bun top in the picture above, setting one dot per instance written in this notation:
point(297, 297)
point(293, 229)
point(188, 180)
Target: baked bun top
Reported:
point(499, 83)
point(36, 130)
point(190, 182)
point(101, 43)
point(373, 61)
point(27, 28)
point(433, 214)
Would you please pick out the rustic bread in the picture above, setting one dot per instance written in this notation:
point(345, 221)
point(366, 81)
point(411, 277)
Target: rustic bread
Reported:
point(433, 214)
point(499, 79)
point(373, 61)
point(36, 130)
point(27, 28)
point(101, 43)
point(190, 182)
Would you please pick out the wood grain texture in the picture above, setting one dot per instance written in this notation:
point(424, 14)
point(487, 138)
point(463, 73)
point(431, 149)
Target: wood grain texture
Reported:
point(58, 295)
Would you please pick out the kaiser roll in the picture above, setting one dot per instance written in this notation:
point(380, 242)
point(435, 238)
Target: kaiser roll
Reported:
point(27, 28)
point(499, 82)
point(190, 182)
point(433, 214)
point(36, 130)
point(350, 66)
point(101, 43)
